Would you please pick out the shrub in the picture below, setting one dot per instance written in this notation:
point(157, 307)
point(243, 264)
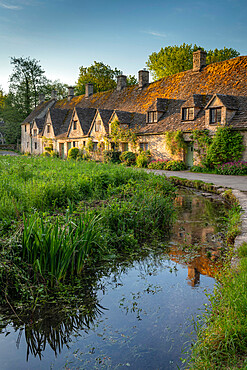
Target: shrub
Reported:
point(111, 156)
point(232, 168)
point(158, 164)
point(129, 158)
point(227, 146)
point(73, 153)
point(175, 166)
point(143, 159)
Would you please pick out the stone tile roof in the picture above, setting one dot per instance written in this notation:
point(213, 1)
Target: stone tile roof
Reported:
point(130, 118)
point(225, 78)
point(197, 101)
point(105, 115)
point(60, 119)
point(159, 105)
point(229, 101)
point(40, 110)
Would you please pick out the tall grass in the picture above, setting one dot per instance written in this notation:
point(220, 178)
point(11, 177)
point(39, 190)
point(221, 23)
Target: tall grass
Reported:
point(59, 251)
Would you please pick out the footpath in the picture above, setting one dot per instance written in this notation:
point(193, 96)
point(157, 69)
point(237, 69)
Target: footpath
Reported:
point(8, 152)
point(238, 184)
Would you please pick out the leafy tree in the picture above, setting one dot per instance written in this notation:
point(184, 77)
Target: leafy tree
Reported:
point(12, 117)
point(102, 76)
point(61, 88)
point(175, 59)
point(26, 81)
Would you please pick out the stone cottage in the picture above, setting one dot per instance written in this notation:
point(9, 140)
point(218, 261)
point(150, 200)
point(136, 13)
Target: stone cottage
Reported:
point(201, 98)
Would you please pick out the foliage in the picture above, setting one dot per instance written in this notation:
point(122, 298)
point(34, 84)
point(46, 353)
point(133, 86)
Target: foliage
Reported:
point(174, 59)
point(175, 166)
point(227, 146)
point(102, 76)
point(12, 115)
point(89, 146)
point(59, 251)
point(158, 164)
point(25, 81)
point(58, 86)
point(73, 153)
point(175, 142)
point(57, 217)
point(143, 159)
point(111, 156)
point(119, 134)
point(232, 168)
point(128, 158)
point(203, 141)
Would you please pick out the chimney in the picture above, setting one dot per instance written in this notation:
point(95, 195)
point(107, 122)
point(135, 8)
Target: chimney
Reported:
point(54, 94)
point(199, 60)
point(143, 78)
point(121, 82)
point(41, 98)
point(88, 90)
point(70, 93)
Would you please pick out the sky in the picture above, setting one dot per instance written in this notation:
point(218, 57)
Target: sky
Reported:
point(64, 35)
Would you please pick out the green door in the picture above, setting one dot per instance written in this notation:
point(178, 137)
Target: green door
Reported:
point(61, 150)
point(189, 155)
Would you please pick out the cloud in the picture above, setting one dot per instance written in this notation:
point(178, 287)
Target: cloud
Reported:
point(153, 33)
point(10, 7)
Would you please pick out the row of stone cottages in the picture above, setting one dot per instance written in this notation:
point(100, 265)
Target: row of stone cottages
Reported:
point(201, 98)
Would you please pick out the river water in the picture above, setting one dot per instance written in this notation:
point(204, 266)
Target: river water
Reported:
point(137, 313)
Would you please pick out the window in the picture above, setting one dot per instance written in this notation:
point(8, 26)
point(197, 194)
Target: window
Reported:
point(152, 117)
point(95, 146)
point(144, 146)
point(215, 115)
point(35, 145)
point(48, 129)
point(25, 128)
point(187, 114)
point(84, 143)
point(34, 132)
point(74, 125)
point(125, 147)
point(75, 144)
point(98, 125)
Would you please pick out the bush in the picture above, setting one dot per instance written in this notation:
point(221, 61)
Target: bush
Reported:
point(158, 164)
point(129, 158)
point(232, 168)
point(73, 153)
point(175, 166)
point(143, 159)
point(227, 146)
point(111, 156)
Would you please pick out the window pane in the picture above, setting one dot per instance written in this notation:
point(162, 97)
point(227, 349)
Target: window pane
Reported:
point(218, 114)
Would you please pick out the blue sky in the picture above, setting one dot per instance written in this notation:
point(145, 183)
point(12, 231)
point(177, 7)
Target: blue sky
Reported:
point(65, 34)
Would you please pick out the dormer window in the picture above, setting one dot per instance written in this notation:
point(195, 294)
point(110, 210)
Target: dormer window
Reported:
point(215, 115)
point(74, 125)
point(35, 132)
point(187, 114)
point(152, 117)
point(48, 129)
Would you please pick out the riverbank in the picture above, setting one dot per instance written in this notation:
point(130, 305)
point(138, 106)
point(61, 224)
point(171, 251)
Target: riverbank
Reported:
point(222, 335)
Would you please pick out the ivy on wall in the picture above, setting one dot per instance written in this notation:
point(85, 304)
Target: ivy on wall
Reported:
point(175, 142)
point(120, 134)
point(203, 140)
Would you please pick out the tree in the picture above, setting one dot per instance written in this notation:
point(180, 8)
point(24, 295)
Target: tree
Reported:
point(102, 76)
point(26, 81)
point(175, 59)
point(49, 86)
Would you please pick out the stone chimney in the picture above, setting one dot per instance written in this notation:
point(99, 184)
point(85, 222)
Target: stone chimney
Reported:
point(88, 90)
point(199, 60)
point(121, 82)
point(143, 78)
point(54, 94)
point(41, 98)
point(70, 93)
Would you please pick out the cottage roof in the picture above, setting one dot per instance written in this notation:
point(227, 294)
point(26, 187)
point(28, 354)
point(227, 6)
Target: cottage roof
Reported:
point(85, 116)
point(40, 123)
point(229, 101)
point(39, 111)
point(197, 101)
point(129, 118)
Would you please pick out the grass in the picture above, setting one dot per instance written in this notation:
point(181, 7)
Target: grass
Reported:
point(67, 214)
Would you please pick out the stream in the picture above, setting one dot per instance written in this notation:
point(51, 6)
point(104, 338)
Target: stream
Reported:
point(137, 313)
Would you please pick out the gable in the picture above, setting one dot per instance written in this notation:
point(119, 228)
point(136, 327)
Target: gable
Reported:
point(75, 129)
point(97, 127)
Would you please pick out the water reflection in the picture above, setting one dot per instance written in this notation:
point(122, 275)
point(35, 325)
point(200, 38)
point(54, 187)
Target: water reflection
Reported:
point(142, 288)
